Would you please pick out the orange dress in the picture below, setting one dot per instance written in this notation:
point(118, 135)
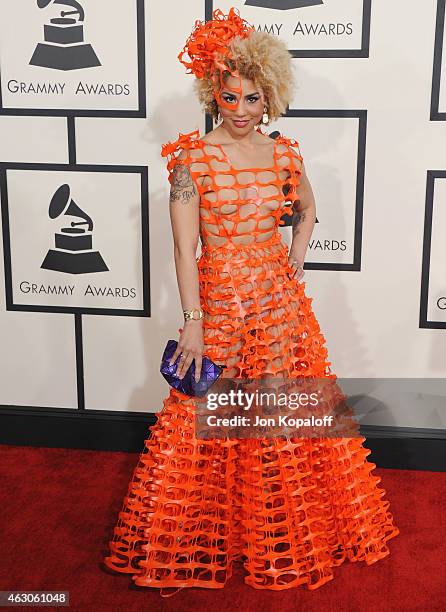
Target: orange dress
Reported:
point(289, 509)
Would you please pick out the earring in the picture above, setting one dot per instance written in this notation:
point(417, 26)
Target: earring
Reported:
point(265, 118)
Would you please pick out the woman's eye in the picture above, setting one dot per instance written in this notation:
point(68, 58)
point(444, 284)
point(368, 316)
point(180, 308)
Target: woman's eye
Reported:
point(253, 100)
point(229, 99)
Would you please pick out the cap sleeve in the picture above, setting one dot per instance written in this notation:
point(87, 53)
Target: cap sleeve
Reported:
point(294, 152)
point(178, 151)
point(291, 151)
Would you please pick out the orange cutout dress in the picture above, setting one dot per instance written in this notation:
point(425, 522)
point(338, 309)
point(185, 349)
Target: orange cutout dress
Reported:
point(290, 510)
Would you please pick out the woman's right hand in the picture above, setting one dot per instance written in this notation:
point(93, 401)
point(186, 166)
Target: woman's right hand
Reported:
point(190, 347)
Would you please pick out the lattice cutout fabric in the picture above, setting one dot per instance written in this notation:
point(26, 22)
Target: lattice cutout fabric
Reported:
point(290, 510)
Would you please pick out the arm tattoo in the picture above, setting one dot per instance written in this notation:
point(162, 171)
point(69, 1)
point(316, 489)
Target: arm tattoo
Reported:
point(298, 219)
point(182, 186)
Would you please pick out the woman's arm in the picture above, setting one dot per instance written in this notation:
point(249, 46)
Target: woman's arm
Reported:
point(304, 218)
point(184, 216)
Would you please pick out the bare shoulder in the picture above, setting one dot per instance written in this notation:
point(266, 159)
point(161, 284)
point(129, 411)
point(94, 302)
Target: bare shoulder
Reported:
point(213, 142)
point(264, 139)
point(213, 137)
point(208, 137)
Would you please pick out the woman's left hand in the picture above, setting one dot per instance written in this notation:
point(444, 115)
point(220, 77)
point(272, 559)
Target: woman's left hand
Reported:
point(297, 265)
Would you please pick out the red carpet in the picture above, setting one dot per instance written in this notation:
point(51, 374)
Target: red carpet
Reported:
point(58, 507)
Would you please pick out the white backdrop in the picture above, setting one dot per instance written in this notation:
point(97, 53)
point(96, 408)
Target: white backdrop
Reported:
point(376, 264)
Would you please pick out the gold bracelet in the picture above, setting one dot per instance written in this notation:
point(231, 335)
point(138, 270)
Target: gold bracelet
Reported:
point(189, 314)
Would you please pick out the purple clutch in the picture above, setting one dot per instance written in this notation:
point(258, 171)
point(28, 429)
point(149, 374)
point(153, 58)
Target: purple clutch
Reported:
point(210, 371)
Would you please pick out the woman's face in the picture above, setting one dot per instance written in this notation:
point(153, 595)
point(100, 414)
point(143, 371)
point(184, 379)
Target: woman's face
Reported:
point(248, 106)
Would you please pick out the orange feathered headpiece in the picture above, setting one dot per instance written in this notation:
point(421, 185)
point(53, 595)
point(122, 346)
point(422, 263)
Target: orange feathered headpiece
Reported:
point(209, 44)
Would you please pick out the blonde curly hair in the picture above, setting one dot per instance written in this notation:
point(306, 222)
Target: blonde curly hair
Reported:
point(264, 59)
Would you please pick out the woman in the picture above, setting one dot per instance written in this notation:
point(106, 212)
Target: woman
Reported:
point(289, 509)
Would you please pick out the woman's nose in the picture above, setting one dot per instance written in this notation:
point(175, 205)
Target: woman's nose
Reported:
point(240, 111)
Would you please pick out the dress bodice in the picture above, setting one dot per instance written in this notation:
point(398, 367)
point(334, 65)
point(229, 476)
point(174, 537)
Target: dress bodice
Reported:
point(238, 206)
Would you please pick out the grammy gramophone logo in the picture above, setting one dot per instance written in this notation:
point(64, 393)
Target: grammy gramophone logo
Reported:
point(73, 252)
point(283, 4)
point(64, 47)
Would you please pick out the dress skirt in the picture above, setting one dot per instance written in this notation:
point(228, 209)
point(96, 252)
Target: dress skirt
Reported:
point(289, 508)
